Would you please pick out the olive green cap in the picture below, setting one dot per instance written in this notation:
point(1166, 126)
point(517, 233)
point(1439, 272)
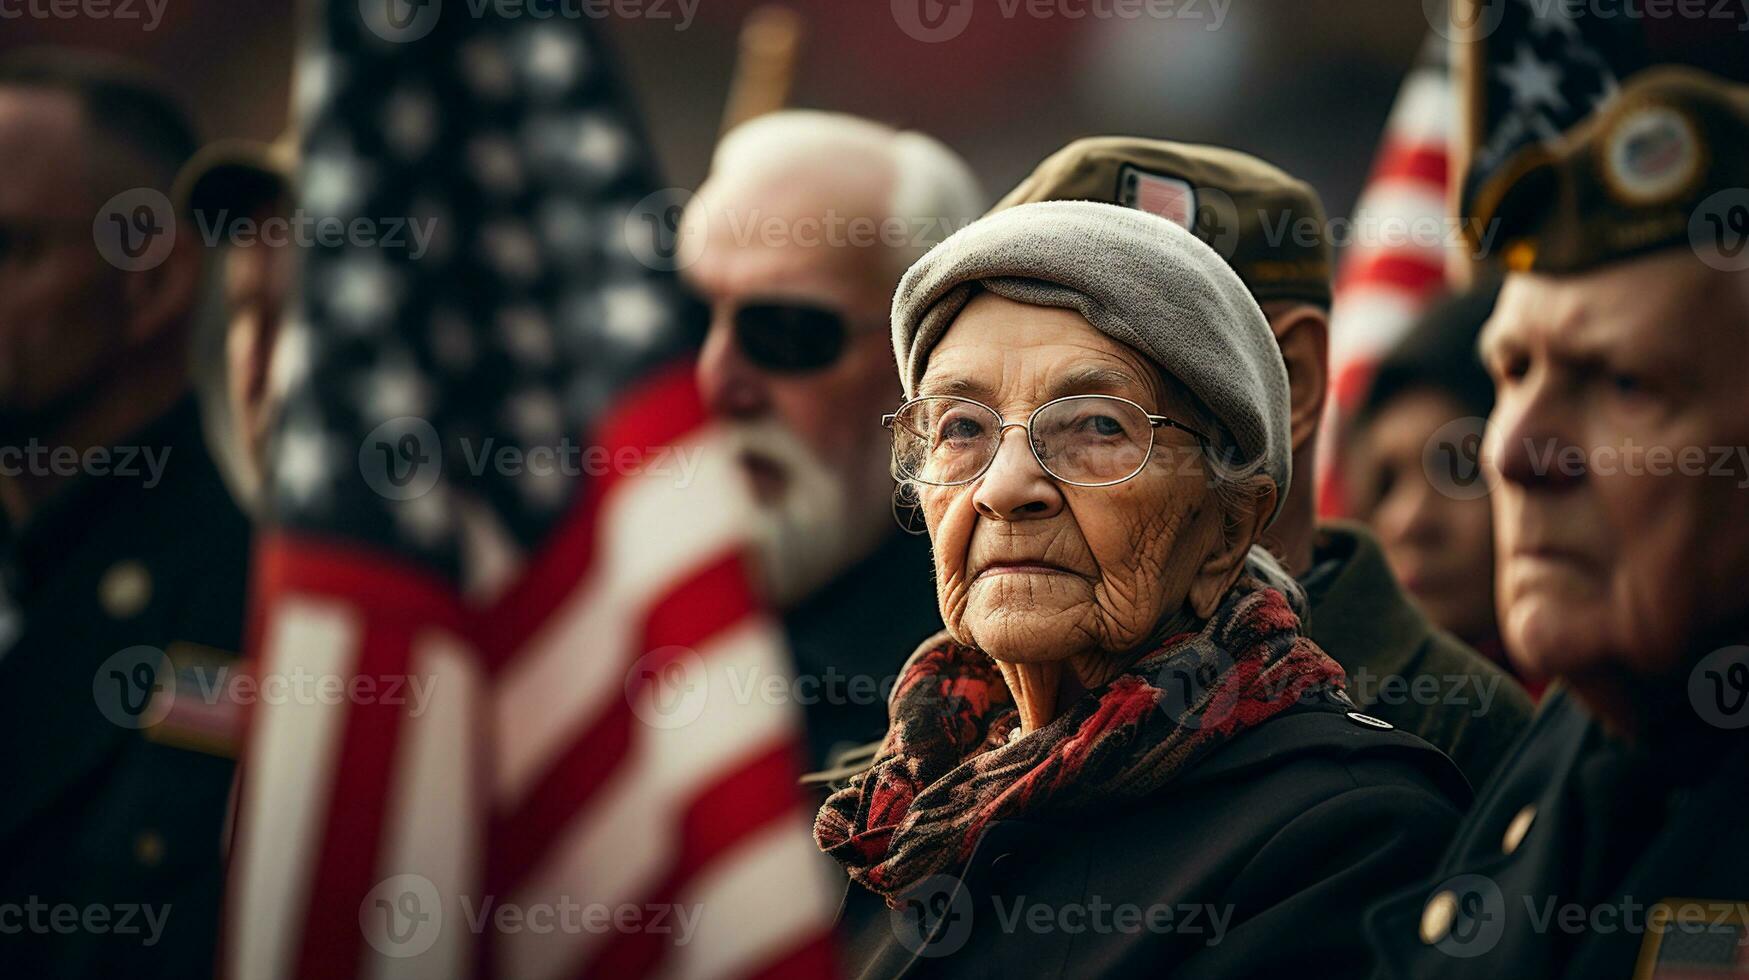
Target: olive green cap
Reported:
point(1268, 225)
point(1664, 163)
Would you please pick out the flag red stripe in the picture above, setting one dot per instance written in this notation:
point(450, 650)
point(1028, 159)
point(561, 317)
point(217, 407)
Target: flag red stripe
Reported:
point(1424, 163)
point(737, 805)
point(659, 410)
point(290, 562)
point(351, 837)
point(711, 600)
point(1411, 271)
point(813, 957)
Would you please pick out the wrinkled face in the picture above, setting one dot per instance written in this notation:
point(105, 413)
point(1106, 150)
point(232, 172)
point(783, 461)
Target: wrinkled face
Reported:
point(1439, 545)
point(61, 326)
point(817, 468)
point(1030, 570)
point(1619, 444)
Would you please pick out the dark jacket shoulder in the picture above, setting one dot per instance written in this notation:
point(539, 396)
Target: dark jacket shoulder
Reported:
point(1400, 666)
point(1258, 862)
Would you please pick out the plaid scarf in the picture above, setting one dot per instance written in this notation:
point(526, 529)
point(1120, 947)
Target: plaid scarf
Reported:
point(949, 766)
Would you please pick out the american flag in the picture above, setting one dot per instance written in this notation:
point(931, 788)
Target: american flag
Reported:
point(1539, 67)
point(481, 492)
point(1383, 285)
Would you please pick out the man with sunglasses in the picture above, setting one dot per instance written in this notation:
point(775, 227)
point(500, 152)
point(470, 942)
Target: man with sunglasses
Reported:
point(1270, 227)
point(807, 221)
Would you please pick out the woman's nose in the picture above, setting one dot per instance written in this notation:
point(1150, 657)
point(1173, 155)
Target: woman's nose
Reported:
point(1015, 487)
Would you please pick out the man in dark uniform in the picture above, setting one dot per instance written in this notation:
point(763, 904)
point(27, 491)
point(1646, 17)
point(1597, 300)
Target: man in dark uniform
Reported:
point(122, 551)
point(1611, 842)
point(1270, 227)
point(804, 226)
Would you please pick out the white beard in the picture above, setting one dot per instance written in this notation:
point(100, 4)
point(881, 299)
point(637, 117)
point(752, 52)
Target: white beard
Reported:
point(821, 525)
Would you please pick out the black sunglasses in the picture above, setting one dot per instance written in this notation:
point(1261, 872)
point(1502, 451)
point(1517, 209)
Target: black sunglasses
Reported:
point(789, 337)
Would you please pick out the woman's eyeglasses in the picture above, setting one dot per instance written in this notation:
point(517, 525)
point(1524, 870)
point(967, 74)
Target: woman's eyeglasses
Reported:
point(1080, 440)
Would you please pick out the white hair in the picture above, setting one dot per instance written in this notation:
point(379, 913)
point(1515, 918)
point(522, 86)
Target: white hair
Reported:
point(934, 192)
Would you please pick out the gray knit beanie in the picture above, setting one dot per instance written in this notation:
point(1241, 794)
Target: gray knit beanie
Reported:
point(1137, 277)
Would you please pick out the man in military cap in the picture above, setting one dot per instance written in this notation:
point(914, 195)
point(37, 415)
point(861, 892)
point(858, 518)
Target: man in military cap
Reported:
point(1271, 228)
point(1611, 844)
point(121, 551)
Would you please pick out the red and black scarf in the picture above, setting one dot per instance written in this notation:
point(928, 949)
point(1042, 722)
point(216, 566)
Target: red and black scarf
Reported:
point(948, 767)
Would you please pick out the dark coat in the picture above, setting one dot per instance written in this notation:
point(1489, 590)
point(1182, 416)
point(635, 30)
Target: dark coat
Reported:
point(1263, 856)
point(1400, 666)
point(843, 636)
point(1556, 870)
point(121, 824)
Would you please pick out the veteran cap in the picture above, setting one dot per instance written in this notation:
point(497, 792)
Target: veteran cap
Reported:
point(1665, 163)
point(1268, 225)
point(236, 175)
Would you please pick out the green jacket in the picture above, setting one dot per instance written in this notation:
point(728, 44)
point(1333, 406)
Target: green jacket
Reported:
point(1403, 669)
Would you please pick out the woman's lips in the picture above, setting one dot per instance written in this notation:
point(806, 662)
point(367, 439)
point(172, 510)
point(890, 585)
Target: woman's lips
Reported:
point(1022, 568)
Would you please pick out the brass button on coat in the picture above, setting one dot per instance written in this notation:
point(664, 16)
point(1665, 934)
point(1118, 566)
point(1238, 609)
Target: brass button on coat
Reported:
point(125, 589)
point(1437, 917)
point(1519, 827)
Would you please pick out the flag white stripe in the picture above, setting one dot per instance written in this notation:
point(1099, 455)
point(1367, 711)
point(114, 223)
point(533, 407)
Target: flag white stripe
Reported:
point(655, 529)
point(739, 925)
point(433, 823)
point(628, 836)
point(1423, 110)
point(288, 781)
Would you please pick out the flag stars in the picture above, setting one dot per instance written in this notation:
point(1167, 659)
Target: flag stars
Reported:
point(599, 146)
point(426, 520)
point(527, 335)
point(410, 122)
point(495, 163)
point(305, 464)
point(333, 181)
point(552, 60)
point(487, 70)
point(1532, 81)
point(633, 313)
point(393, 390)
point(363, 292)
point(511, 250)
point(535, 416)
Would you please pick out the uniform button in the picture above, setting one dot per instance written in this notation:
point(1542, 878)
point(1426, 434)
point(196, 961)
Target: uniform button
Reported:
point(125, 589)
point(149, 848)
point(1369, 720)
point(1516, 830)
point(1437, 917)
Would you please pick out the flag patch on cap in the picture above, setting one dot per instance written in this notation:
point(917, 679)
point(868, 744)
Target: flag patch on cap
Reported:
point(1168, 197)
point(1651, 155)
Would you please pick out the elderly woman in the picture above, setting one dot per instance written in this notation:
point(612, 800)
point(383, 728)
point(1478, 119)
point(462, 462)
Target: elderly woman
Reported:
point(1121, 757)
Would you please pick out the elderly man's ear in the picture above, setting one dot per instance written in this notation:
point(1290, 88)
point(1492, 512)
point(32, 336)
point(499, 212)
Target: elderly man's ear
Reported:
point(1303, 331)
point(1239, 531)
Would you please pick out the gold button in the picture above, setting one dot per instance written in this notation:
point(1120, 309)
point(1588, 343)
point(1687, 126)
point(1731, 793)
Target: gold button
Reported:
point(1437, 917)
point(125, 589)
point(1516, 830)
point(149, 848)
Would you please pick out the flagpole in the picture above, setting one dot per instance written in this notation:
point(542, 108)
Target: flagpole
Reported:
point(765, 66)
point(1466, 76)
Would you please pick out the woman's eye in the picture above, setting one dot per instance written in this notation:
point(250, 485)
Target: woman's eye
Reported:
point(959, 428)
point(1105, 425)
